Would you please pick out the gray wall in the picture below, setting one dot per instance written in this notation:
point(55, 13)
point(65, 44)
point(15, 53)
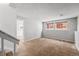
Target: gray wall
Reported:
point(66, 35)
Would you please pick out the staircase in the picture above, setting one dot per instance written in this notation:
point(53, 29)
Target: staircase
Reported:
point(5, 36)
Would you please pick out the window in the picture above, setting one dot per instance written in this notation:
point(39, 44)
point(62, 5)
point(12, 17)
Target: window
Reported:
point(58, 25)
point(50, 26)
point(61, 25)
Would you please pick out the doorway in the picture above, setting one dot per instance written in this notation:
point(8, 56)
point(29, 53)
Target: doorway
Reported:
point(20, 29)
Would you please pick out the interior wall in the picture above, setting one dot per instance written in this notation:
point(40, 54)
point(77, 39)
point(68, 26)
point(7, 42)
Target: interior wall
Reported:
point(7, 22)
point(8, 19)
point(32, 24)
point(66, 35)
point(32, 28)
point(77, 34)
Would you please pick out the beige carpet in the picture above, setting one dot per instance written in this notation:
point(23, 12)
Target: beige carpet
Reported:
point(46, 47)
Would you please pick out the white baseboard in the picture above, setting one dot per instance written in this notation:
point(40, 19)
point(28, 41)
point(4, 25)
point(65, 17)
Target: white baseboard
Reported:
point(32, 39)
point(29, 39)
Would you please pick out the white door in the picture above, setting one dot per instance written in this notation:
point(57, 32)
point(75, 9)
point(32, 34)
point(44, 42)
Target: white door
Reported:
point(20, 29)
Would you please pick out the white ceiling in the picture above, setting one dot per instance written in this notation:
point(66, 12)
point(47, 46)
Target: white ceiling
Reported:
point(47, 11)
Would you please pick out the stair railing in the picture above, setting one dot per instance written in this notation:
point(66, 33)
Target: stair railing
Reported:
point(5, 36)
